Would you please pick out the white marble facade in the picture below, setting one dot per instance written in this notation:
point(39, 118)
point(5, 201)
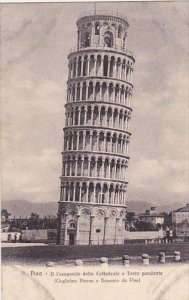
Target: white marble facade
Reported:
point(95, 157)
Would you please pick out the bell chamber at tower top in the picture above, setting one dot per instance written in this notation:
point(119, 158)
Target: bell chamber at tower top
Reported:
point(101, 29)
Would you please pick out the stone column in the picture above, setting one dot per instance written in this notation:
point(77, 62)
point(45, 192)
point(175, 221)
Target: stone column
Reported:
point(66, 121)
point(79, 117)
point(74, 115)
point(93, 91)
point(123, 230)
point(107, 195)
point(97, 141)
point(84, 137)
point(72, 141)
point(122, 197)
point(92, 116)
point(126, 173)
point(104, 147)
point(87, 194)
point(87, 91)
point(112, 120)
point(76, 165)
point(82, 163)
point(122, 122)
point(74, 191)
point(115, 197)
point(119, 95)
point(91, 138)
point(125, 75)
point(95, 67)
point(111, 146)
point(127, 71)
point(126, 120)
point(82, 60)
point(102, 170)
point(128, 124)
point(77, 143)
point(120, 70)
point(80, 190)
point(94, 191)
point(127, 146)
point(116, 145)
point(75, 95)
point(65, 230)
point(88, 66)
point(118, 194)
point(113, 94)
point(91, 233)
point(77, 230)
point(109, 169)
point(76, 68)
point(114, 68)
point(100, 91)
point(101, 66)
point(85, 116)
point(71, 69)
point(130, 74)
point(80, 92)
point(116, 230)
point(105, 230)
point(69, 186)
point(67, 142)
point(108, 71)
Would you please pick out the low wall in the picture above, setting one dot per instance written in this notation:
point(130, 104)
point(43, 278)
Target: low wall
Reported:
point(143, 235)
point(10, 236)
point(34, 235)
point(30, 235)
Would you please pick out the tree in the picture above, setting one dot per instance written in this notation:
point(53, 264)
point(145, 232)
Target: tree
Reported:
point(34, 221)
point(5, 214)
point(144, 226)
point(167, 219)
point(130, 217)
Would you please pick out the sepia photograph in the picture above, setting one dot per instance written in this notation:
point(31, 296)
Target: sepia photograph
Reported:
point(95, 150)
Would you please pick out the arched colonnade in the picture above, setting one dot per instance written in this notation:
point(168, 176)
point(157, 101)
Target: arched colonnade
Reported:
point(93, 192)
point(95, 166)
point(98, 115)
point(109, 91)
point(106, 141)
point(116, 66)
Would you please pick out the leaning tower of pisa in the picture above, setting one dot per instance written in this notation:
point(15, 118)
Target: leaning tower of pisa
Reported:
point(92, 204)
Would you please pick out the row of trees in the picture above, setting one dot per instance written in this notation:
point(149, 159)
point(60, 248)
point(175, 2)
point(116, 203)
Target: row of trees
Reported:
point(36, 222)
point(33, 222)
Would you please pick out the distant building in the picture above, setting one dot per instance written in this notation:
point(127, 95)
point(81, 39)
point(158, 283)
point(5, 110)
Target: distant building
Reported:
point(180, 220)
point(152, 217)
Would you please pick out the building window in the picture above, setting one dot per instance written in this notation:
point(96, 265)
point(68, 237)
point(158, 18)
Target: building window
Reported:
point(108, 39)
point(97, 29)
point(124, 42)
point(119, 31)
point(72, 225)
point(87, 39)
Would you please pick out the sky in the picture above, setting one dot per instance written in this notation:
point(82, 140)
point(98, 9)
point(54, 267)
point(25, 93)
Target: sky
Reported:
point(35, 42)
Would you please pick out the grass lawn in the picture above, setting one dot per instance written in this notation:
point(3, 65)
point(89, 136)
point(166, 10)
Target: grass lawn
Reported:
point(65, 254)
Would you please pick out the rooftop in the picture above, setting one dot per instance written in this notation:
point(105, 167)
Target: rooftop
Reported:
point(183, 209)
point(151, 215)
point(103, 13)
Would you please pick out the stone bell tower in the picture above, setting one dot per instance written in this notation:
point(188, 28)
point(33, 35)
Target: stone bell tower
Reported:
point(95, 157)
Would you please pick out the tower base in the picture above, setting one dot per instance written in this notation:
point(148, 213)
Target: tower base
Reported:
point(90, 224)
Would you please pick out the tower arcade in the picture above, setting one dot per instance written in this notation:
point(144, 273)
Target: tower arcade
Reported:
point(95, 157)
